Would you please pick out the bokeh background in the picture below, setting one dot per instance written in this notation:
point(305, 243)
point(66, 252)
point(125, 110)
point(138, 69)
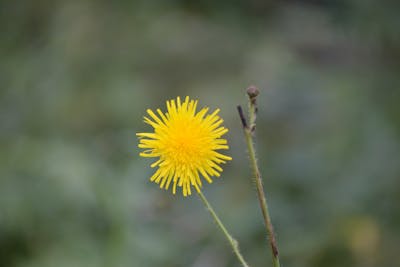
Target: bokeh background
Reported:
point(77, 76)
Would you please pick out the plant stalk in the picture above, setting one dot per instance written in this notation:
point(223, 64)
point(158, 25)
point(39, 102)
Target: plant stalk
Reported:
point(248, 132)
point(234, 244)
point(263, 201)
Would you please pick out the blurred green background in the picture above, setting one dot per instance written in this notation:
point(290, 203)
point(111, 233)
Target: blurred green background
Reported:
point(77, 76)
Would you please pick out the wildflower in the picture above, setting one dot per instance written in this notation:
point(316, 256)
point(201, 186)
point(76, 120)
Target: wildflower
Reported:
point(186, 144)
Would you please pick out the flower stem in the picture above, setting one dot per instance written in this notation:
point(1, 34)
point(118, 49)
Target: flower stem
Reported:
point(248, 132)
point(234, 244)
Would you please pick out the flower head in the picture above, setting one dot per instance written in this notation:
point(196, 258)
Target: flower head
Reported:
point(185, 143)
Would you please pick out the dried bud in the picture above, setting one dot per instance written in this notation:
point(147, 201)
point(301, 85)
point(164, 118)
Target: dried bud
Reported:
point(252, 91)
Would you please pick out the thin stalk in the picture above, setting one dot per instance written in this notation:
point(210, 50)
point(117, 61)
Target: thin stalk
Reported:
point(262, 200)
point(248, 132)
point(234, 244)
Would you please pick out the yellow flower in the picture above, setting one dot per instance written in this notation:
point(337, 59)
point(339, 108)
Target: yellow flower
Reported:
point(186, 144)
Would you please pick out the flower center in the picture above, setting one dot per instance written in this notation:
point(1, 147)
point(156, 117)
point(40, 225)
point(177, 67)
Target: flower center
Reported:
point(186, 146)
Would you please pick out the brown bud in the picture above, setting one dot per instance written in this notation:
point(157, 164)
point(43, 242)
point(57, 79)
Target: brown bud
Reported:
point(252, 91)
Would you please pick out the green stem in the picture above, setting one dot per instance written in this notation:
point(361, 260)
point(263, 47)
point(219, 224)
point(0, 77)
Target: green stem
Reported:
point(234, 244)
point(262, 199)
point(248, 132)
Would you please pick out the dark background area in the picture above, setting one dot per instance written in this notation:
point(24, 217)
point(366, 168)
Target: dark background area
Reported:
point(77, 76)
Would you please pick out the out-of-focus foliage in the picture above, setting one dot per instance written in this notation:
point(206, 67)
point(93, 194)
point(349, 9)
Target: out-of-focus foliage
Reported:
point(77, 76)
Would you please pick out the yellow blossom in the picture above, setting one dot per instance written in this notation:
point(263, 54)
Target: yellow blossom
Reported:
point(185, 143)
